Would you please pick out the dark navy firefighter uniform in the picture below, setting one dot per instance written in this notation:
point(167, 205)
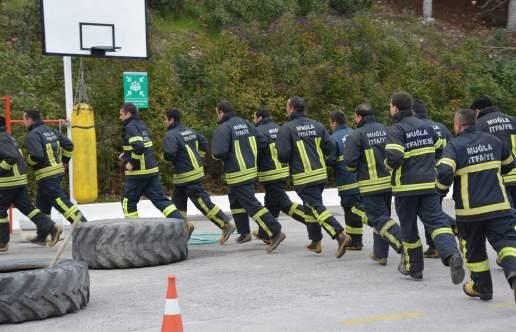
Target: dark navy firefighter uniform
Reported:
point(492, 121)
point(144, 178)
point(347, 184)
point(411, 153)
point(445, 136)
point(475, 163)
point(236, 143)
point(48, 153)
point(13, 189)
point(364, 155)
point(274, 176)
point(303, 144)
point(186, 149)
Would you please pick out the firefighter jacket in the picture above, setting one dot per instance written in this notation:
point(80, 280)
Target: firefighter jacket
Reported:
point(13, 171)
point(185, 148)
point(47, 150)
point(364, 154)
point(411, 154)
point(492, 121)
point(138, 149)
point(304, 144)
point(270, 169)
point(474, 162)
point(346, 181)
point(236, 142)
point(439, 128)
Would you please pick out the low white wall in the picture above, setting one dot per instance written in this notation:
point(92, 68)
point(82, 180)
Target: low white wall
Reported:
point(101, 211)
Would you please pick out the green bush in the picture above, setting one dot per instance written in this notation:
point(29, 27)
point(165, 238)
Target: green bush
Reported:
point(306, 7)
point(333, 63)
point(224, 12)
point(178, 8)
point(349, 7)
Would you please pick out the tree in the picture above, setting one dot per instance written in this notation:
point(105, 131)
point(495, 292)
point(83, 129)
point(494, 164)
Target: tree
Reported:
point(511, 16)
point(490, 5)
point(427, 10)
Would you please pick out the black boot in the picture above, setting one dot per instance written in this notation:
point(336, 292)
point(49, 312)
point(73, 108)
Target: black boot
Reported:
point(456, 269)
point(403, 270)
point(512, 281)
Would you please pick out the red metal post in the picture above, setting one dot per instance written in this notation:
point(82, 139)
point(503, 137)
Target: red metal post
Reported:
point(7, 102)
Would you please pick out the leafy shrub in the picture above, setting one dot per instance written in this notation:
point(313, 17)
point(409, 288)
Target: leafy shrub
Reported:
point(332, 63)
point(349, 7)
point(224, 12)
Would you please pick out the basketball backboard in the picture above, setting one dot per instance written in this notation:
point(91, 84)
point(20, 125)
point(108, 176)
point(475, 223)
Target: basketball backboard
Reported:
point(103, 28)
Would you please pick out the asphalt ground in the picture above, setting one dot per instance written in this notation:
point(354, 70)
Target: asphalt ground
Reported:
point(242, 288)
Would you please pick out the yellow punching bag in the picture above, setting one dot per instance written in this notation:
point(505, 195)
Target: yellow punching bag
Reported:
point(84, 156)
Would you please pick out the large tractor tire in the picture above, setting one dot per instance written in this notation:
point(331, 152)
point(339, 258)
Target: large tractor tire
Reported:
point(130, 243)
point(29, 290)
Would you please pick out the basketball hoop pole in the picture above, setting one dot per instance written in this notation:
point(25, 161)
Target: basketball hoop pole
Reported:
point(67, 68)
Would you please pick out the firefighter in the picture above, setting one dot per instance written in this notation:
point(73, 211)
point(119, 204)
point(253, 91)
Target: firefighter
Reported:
point(493, 121)
point(48, 153)
point(141, 168)
point(273, 174)
point(364, 155)
point(236, 143)
point(410, 151)
point(185, 149)
point(474, 162)
point(444, 134)
point(304, 144)
point(13, 191)
point(347, 184)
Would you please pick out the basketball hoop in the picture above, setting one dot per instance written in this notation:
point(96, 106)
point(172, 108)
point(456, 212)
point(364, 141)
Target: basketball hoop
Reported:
point(96, 28)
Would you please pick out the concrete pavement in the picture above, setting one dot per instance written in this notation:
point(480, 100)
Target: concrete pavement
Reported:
point(241, 288)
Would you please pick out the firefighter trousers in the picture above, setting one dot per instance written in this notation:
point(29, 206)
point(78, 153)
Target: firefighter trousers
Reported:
point(428, 209)
point(51, 194)
point(150, 186)
point(197, 194)
point(451, 221)
point(19, 197)
point(317, 214)
point(501, 234)
point(378, 211)
point(354, 216)
point(276, 200)
point(243, 203)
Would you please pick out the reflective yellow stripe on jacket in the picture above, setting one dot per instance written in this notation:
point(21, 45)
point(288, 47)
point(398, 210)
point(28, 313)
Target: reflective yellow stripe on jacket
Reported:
point(13, 181)
point(309, 174)
point(279, 172)
point(196, 174)
point(49, 171)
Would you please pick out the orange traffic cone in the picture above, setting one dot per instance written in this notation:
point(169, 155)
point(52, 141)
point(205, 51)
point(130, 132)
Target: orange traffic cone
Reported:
point(172, 321)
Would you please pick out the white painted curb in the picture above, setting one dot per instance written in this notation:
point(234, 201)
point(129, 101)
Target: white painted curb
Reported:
point(100, 211)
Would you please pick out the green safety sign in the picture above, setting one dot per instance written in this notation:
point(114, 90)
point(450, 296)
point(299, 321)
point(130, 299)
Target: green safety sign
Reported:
point(136, 89)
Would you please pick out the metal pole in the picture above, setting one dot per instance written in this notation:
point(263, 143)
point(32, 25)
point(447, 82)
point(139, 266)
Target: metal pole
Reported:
point(8, 129)
point(67, 68)
point(68, 236)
